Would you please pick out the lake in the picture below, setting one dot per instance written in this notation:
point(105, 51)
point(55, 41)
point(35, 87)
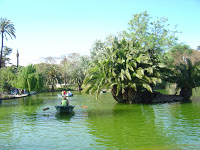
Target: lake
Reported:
point(105, 125)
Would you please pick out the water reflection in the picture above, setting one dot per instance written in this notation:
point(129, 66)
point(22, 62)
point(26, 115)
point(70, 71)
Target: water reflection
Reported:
point(186, 101)
point(140, 126)
point(64, 116)
point(125, 126)
point(178, 121)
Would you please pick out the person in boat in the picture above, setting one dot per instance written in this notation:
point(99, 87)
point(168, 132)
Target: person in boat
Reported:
point(64, 92)
point(65, 101)
point(69, 93)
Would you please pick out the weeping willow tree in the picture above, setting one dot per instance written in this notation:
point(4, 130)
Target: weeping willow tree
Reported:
point(27, 78)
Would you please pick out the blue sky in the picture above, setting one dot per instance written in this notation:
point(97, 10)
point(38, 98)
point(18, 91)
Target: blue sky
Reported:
point(59, 27)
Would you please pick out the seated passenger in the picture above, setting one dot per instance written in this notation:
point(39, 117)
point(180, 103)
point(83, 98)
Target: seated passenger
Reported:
point(65, 101)
point(69, 93)
point(64, 92)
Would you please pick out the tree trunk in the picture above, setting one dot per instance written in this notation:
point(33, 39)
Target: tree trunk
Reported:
point(52, 87)
point(186, 93)
point(118, 97)
point(1, 50)
point(64, 80)
point(147, 96)
point(79, 87)
point(129, 96)
point(134, 96)
point(125, 95)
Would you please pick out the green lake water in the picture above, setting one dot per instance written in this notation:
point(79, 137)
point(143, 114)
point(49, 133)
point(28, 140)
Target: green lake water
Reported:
point(105, 125)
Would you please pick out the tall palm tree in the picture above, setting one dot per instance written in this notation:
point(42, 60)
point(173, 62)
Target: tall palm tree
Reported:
point(7, 28)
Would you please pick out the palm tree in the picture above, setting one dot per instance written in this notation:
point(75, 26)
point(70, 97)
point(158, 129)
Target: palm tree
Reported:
point(7, 28)
point(125, 69)
point(52, 76)
point(186, 76)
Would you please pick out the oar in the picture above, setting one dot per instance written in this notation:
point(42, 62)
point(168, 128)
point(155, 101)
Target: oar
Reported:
point(44, 109)
point(82, 106)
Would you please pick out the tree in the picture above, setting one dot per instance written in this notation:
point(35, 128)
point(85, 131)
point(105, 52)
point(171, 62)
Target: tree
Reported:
point(186, 76)
point(50, 71)
point(73, 68)
point(7, 76)
point(78, 72)
point(65, 67)
point(52, 76)
point(131, 65)
point(7, 28)
point(29, 79)
point(97, 47)
point(179, 53)
point(5, 60)
point(126, 69)
point(180, 47)
point(154, 36)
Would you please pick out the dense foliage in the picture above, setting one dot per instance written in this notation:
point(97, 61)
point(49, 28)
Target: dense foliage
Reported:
point(186, 77)
point(134, 61)
point(27, 78)
point(7, 76)
point(125, 65)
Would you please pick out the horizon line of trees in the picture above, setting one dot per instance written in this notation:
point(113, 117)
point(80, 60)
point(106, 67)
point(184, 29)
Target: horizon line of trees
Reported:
point(46, 75)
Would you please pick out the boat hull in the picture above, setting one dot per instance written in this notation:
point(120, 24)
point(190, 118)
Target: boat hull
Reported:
point(64, 109)
point(22, 95)
point(60, 95)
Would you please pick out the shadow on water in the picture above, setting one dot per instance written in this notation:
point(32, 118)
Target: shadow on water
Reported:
point(64, 116)
point(186, 101)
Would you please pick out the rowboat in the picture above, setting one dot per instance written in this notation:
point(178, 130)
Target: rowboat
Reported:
point(60, 95)
point(22, 95)
point(64, 109)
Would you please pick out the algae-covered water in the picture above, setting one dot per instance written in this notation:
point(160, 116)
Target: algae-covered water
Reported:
point(105, 125)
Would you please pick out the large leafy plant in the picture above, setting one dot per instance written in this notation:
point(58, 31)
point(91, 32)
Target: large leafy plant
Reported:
point(123, 65)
